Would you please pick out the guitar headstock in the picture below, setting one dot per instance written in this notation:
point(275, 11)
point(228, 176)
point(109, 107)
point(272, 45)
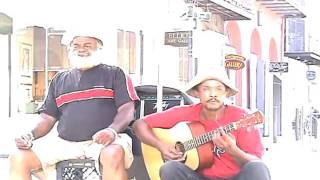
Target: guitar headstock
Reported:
point(251, 120)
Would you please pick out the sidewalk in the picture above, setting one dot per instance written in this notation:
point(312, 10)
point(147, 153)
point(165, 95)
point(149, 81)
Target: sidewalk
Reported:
point(294, 162)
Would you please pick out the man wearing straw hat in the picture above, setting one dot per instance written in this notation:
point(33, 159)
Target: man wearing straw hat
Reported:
point(236, 154)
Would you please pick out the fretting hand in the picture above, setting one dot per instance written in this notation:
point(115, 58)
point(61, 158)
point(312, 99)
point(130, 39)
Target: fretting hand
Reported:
point(226, 141)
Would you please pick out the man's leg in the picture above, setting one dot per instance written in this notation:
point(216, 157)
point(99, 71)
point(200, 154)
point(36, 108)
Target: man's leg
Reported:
point(22, 163)
point(255, 170)
point(112, 159)
point(178, 171)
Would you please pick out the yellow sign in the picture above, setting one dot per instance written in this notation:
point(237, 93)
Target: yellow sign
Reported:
point(234, 61)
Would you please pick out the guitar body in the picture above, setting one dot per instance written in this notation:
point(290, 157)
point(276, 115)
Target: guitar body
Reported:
point(196, 158)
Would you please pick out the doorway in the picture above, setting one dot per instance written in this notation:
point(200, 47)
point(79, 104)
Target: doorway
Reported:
point(277, 108)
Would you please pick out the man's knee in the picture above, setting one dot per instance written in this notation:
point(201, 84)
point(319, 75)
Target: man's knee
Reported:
point(25, 159)
point(112, 154)
point(256, 165)
point(20, 157)
point(169, 168)
point(256, 168)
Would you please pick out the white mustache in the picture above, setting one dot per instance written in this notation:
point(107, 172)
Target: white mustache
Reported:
point(78, 60)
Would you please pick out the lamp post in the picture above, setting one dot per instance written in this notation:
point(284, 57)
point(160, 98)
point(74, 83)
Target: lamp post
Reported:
point(6, 29)
point(49, 31)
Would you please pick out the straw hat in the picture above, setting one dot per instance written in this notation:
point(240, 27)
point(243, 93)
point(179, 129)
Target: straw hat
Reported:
point(216, 73)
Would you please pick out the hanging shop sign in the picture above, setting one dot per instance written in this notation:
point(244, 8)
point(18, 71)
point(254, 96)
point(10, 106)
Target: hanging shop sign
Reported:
point(178, 38)
point(234, 61)
point(278, 67)
point(311, 75)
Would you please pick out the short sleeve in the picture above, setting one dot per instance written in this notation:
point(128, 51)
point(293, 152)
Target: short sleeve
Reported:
point(123, 88)
point(49, 106)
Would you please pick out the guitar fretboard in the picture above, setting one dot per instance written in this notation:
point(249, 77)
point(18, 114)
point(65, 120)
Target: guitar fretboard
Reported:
point(206, 137)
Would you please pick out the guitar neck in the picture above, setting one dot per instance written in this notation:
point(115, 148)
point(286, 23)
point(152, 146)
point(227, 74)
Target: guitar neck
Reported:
point(206, 137)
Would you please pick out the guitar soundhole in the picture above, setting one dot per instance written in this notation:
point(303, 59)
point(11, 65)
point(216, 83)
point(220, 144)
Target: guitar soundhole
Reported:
point(179, 147)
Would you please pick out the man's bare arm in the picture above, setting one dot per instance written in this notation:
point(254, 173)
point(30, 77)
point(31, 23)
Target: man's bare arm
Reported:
point(121, 121)
point(44, 125)
point(146, 135)
point(123, 117)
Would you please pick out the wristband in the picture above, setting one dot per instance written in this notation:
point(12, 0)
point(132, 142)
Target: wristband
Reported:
point(28, 139)
point(114, 132)
point(31, 136)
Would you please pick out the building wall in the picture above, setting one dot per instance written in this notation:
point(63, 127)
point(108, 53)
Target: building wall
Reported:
point(209, 47)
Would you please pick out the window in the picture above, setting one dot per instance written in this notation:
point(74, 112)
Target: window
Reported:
point(127, 51)
point(25, 60)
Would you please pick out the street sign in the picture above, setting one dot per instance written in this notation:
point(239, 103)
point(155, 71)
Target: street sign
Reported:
point(178, 38)
point(311, 75)
point(278, 67)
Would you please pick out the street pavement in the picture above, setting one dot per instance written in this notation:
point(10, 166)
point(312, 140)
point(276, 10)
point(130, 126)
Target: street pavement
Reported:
point(293, 162)
point(286, 161)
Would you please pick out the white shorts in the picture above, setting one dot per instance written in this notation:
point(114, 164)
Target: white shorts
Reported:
point(51, 150)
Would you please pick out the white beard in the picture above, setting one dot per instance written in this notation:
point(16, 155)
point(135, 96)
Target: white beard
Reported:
point(85, 62)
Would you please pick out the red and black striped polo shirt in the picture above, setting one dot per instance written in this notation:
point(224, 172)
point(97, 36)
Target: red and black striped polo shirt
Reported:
point(85, 102)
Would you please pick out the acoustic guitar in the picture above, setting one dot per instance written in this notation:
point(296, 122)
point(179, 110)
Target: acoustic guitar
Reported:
point(191, 139)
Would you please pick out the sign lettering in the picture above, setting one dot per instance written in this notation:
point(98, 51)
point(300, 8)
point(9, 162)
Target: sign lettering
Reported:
point(278, 67)
point(234, 61)
point(178, 38)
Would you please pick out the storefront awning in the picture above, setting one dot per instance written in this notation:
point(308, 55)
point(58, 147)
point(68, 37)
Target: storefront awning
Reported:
point(286, 8)
point(309, 58)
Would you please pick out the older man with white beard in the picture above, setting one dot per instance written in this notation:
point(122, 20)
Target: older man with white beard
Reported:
point(92, 103)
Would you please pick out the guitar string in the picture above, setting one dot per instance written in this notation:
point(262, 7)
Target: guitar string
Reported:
point(204, 138)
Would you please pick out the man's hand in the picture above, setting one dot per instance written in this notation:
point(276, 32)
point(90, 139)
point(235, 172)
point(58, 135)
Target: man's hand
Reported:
point(25, 141)
point(226, 141)
point(104, 137)
point(170, 153)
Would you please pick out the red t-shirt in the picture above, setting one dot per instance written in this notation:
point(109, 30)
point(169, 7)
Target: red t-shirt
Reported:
point(248, 139)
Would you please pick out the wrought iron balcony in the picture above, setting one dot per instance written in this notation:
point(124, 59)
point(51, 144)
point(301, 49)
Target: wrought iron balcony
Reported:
point(311, 55)
point(300, 44)
point(228, 9)
point(285, 8)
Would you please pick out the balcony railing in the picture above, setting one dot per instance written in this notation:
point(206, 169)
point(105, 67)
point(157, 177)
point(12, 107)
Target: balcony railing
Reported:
point(228, 9)
point(285, 8)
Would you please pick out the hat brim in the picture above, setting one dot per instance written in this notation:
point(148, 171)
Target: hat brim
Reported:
point(190, 90)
